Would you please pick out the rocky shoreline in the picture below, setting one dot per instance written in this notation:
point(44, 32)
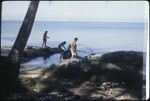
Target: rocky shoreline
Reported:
point(32, 52)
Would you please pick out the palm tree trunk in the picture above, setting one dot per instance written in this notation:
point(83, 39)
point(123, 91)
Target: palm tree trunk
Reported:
point(22, 38)
point(10, 67)
point(0, 20)
point(24, 33)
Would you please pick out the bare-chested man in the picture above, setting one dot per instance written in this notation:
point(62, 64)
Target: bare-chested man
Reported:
point(74, 48)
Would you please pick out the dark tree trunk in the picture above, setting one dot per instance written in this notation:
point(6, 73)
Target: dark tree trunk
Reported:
point(0, 19)
point(22, 38)
point(10, 67)
point(24, 32)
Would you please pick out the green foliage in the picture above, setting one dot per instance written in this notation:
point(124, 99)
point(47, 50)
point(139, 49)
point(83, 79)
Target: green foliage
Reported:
point(49, 71)
point(124, 59)
point(122, 66)
point(112, 66)
point(71, 72)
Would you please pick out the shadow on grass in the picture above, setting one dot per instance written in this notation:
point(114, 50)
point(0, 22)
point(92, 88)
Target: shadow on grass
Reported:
point(122, 67)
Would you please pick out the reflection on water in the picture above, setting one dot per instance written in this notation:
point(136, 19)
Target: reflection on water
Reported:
point(54, 59)
point(46, 60)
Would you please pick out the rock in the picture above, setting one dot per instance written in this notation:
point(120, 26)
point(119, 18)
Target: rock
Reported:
point(104, 84)
point(34, 52)
point(67, 61)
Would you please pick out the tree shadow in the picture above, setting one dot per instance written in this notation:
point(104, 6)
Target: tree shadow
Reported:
point(61, 80)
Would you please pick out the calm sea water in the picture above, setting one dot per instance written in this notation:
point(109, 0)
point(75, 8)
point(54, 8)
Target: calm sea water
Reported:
point(98, 36)
point(109, 36)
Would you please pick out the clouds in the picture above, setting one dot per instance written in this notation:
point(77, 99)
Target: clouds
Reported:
point(78, 10)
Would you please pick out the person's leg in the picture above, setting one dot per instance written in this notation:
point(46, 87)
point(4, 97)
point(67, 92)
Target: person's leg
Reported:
point(42, 44)
point(45, 43)
point(60, 56)
point(71, 54)
point(74, 56)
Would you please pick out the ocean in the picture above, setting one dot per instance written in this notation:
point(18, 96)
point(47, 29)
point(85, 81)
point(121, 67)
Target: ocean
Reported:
point(108, 36)
point(99, 37)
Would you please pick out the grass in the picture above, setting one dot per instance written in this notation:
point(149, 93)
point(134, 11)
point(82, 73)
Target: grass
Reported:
point(121, 66)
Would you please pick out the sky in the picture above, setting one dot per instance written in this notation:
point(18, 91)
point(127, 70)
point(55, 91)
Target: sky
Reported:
point(79, 10)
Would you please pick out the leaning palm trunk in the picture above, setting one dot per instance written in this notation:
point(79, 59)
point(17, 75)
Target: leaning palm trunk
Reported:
point(24, 33)
point(11, 64)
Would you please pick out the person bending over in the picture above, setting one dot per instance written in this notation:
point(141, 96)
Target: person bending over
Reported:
point(62, 48)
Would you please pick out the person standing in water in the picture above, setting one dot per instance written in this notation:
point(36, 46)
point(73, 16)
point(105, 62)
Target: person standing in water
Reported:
point(62, 48)
point(74, 48)
point(45, 39)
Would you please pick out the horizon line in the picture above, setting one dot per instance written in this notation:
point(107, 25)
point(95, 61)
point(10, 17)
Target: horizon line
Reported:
point(146, 20)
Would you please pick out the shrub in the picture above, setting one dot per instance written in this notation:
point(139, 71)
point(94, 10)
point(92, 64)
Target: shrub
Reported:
point(130, 58)
point(121, 66)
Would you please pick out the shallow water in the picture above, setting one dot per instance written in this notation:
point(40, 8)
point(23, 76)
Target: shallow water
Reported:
point(52, 59)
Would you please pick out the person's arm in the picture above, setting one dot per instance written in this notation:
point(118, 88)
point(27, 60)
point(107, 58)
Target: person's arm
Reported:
point(64, 47)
